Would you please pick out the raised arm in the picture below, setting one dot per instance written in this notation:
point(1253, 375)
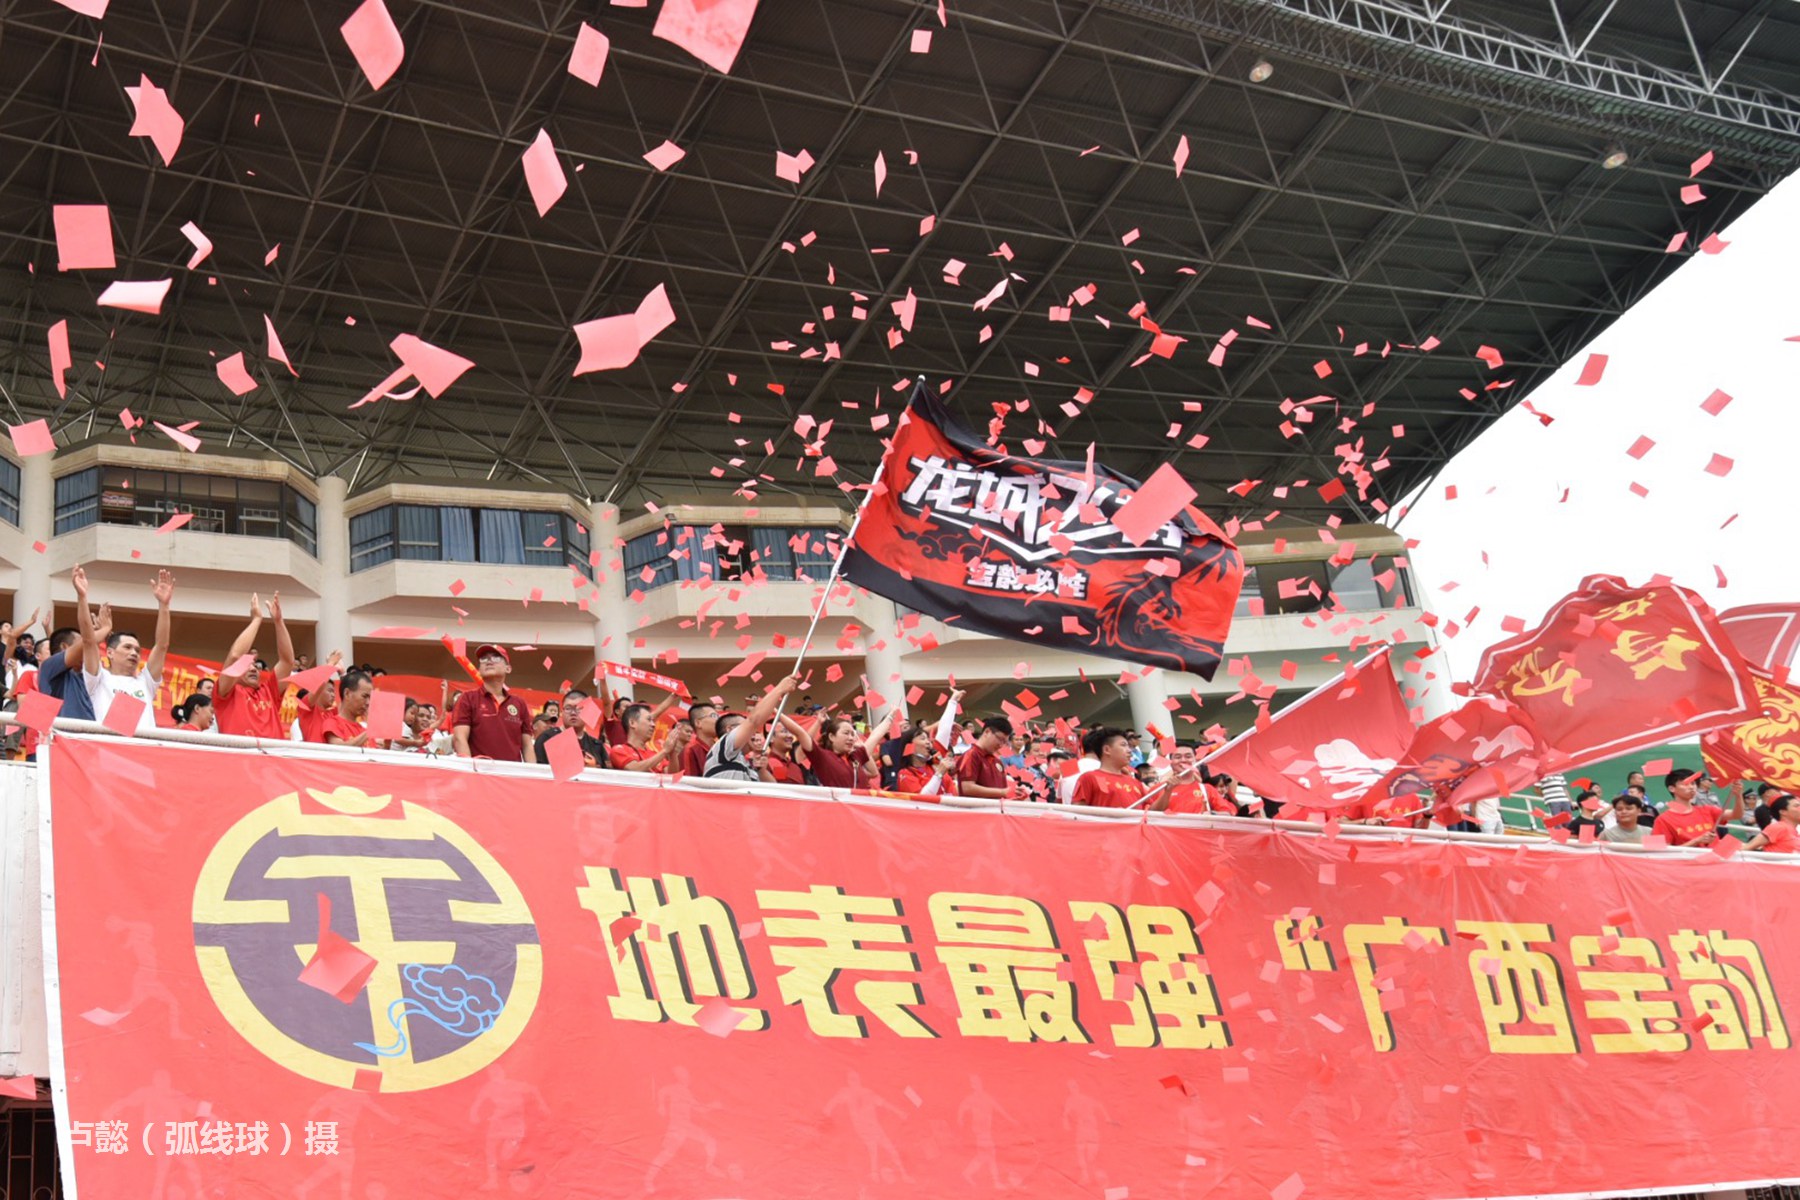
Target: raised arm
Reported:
point(872, 744)
point(803, 738)
point(164, 591)
point(1737, 801)
point(225, 684)
point(84, 621)
point(284, 644)
point(760, 716)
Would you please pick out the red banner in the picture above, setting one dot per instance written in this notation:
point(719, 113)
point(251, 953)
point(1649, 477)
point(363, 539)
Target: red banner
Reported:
point(1766, 749)
point(284, 975)
point(1614, 668)
point(1027, 549)
point(631, 674)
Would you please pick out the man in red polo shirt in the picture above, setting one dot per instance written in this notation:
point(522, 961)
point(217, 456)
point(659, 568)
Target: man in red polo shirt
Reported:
point(979, 772)
point(250, 706)
point(346, 724)
point(1114, 784)
point(489, 721)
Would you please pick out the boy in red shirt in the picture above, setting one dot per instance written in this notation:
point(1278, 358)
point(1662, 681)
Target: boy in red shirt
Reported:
point(1684, 823)
point(979, 772)
point(1115, 784)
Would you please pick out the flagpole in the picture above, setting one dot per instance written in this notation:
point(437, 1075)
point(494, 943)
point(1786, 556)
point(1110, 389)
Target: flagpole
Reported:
point(1329, 683)
point(838, 563)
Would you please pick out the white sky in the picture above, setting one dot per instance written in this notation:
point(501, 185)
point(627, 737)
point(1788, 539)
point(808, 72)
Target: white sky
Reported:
point(1718, 322)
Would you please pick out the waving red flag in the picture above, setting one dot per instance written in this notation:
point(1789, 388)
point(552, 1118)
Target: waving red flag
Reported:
point(1044, 551)
point(1326, 749)
point(1486, 748)
point(1765, 748)
point(1614, 668)
point(1765, 634)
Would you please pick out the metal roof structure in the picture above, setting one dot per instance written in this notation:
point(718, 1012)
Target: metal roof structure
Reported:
point(1408, 170)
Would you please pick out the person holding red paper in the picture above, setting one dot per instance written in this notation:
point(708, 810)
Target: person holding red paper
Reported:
point(127, 671)
point(251, 706)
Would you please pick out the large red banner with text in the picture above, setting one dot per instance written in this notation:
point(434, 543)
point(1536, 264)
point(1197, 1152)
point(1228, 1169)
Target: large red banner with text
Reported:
point(287, 976)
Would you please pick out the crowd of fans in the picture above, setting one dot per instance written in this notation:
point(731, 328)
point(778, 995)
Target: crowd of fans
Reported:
point(88, 666)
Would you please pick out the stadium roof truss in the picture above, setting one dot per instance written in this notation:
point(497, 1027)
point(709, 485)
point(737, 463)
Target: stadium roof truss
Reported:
point(1405, 171)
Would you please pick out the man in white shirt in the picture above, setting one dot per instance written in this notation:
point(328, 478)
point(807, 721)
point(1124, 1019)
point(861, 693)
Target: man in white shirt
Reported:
point(127, 671)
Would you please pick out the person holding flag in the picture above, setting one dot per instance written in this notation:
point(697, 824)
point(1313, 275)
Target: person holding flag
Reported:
point(1114, 784)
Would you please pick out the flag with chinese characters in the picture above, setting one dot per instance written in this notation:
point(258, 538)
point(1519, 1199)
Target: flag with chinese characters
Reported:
point(1328, 748)
point(1026, 548)
point(1484, 749)
point(1614, 668)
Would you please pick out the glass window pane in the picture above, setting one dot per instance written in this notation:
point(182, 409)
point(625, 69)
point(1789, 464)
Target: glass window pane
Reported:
point(117, 477)
point(258, 491)
point(416, 532)
point(1296, 587)
point(536, 528)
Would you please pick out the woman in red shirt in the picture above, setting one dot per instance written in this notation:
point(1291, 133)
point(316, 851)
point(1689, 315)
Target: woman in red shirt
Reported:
point(779, 765)
point(838, 760)
point(920, 768)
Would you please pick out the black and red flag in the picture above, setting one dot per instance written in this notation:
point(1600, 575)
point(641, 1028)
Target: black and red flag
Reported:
point(1026, 548)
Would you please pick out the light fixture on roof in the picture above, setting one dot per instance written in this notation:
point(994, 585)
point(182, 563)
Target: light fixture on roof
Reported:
point(1262, 70)
point(1614, 157)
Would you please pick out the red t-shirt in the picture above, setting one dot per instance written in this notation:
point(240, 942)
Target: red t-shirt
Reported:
point(1197, 797)
point(250, 711)
point(1103, 789)
point(1682, 828)
point(693, 759)
point(786, 770)
point(624, 754)
point(980, 768)
point(497, 728)
point(312, 721)
point(835, 771)
point(336, 725)
point(914, 781)
point(28, 683)
point(613, 732)
point(1782, 838)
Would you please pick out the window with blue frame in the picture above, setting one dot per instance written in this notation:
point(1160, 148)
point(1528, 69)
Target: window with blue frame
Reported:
point(109, 495)
point(456, 533)
point(775, 553)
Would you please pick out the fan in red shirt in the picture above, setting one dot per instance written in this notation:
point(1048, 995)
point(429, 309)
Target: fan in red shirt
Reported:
point(1114, 785)
point(778, 765)
point(1781, 837)
point(635, 753)
point(1684, 823)
point(838, 760)
point(1188, 790)
point(613, 731)
point(250, 706)
point(345, 726)
point(705, 718)
point(979, 772)
point(195, 714)
point(489, 721)
point(921, 766)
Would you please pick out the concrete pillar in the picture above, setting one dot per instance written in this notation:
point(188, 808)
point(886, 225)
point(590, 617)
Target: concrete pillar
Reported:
point(610, 606)
point(37, 520)
point(334, 572)
point(881, 656)
point(1147, 695)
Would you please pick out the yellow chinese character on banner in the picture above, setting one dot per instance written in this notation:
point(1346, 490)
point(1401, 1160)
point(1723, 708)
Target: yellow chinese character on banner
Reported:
point(1527, 678)
point(1520, 990)
point(839, 942)
point(1301, 944)
point(677, 950)
point(1644, 1026)
point(1376, 995)
point(1003, 961)
point(1649, 654)
point(1628, 610)
point(1169, 995)
point(1740, 1000)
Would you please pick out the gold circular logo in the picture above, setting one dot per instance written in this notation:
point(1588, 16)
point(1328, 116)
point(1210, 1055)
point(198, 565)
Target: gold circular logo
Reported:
point(365, 942)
